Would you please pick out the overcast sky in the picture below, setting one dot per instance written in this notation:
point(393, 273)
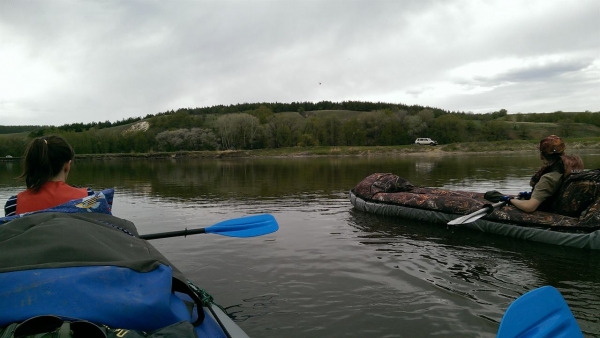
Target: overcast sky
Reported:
point(84, 61)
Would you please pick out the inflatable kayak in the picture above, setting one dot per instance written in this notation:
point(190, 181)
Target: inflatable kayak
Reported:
point(577, 224)
point(85, 273)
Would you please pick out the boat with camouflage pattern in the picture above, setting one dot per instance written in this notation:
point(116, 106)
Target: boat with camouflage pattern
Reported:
point(575, 220)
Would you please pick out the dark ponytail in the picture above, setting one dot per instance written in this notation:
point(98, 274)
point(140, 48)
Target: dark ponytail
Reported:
point(44, 158)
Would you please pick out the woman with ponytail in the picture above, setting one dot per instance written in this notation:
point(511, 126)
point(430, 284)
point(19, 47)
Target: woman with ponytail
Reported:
point(46, 166)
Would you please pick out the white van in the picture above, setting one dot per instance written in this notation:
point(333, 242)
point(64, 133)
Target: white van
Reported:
point(426, 141)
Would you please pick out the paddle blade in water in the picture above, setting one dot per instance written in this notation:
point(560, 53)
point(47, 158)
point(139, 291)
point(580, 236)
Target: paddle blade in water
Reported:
point(249, 226)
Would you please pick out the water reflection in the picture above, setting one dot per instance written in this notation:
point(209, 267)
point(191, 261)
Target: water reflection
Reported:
point(184, 179)
point(485, 268)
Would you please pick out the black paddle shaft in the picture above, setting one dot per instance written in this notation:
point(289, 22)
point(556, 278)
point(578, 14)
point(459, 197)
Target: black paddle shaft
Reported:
point(174, 233)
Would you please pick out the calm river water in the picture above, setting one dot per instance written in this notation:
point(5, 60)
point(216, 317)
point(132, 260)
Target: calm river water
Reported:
point(331, 271)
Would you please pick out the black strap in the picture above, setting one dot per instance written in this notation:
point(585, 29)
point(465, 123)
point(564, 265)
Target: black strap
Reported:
point(183, 287)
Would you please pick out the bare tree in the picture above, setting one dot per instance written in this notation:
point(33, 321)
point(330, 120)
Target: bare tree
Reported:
point(187, 139)
point(284, 129)
point(226, 129)
point(237, 131)
point(248, 127)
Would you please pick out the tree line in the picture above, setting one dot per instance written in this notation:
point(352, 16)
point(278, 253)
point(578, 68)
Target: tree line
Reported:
point(259, 126)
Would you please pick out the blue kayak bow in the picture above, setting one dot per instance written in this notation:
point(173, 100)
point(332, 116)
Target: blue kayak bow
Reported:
point(249, 226)
point(541, 312)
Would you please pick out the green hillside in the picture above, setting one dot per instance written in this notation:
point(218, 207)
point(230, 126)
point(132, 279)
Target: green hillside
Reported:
point(323, 124)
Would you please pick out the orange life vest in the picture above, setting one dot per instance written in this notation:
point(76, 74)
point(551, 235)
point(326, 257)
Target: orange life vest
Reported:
point(50, 195)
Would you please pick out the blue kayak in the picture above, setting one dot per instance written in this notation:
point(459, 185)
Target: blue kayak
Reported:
point(81, 268)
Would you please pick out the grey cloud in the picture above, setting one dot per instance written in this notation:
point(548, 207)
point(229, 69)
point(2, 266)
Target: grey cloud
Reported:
point(131, 58)
point(569, 94)
point(535, 72)
point(546, 71)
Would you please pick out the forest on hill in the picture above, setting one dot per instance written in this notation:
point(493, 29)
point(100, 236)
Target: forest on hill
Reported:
point(300, 124)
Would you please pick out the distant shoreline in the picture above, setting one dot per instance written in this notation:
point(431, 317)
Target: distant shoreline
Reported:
point(412, 150)
point(288, 154)
point(471, 148)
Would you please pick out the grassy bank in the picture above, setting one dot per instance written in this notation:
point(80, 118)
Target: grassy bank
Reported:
point(467, 147)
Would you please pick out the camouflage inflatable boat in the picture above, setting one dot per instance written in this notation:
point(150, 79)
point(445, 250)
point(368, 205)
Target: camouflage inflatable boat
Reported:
point(575, 220)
